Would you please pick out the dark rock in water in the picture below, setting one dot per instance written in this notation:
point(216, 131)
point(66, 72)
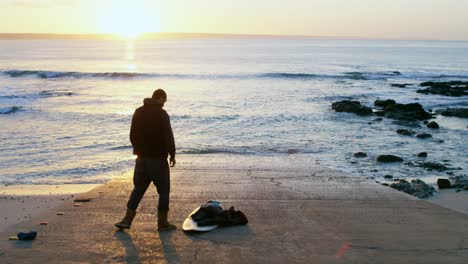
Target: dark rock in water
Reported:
point(423, 135)
point(443, 183)
point(379, 113)
point(422, 155)
point(293, 151)
point(400, 85)
point(432, 124)
point(460, 182)
point(351, 107)
point(433, 166)
point(360, 155)
point(426, 122)
point(416, 188)
point(389, 158)
point(383, 103)
point(408, 112)
point(452, 88)
point(388, 177)
point(458, 112)
point(378, 119)
point(385, 184)
point(405, 132)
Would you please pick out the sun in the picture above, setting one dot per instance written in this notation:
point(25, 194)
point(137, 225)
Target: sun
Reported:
point(127, 18)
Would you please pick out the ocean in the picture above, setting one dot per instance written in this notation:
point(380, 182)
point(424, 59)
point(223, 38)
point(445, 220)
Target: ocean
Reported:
point(66, 105)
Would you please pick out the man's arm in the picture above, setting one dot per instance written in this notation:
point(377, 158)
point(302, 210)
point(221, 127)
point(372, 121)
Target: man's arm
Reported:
point(134, 138)
point(169, 139)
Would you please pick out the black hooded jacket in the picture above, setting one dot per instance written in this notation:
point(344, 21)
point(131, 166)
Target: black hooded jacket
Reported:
point(151, 133)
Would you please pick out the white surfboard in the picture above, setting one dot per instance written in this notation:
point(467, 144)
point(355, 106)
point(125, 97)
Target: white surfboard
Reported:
point(190, 225)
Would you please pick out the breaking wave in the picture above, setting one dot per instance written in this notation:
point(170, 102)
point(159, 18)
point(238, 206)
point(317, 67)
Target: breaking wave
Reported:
point(379, 75)
point(9, 110)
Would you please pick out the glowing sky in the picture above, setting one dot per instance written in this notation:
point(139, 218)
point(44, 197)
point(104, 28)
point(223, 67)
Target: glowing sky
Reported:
point(397, 19)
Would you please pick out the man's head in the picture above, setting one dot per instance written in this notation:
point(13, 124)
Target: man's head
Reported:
point(160, 96)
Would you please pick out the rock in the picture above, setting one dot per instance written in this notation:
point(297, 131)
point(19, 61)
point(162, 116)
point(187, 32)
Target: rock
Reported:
point(460, 182)
point(416, 188)
point(384, 103)
point(400, 85)
point(433, 166)
point(458, 112)
point(451, 88)
point(360, 155)
point(385, 184)
point(408, 112)
point(405, 132)
point(422, 154)
point(351, 107)
point(389, 158)
point(293, 151)
point(378, 119)
point(432, 124)
point(423, 135)
point(443, 183)
point(388, 177)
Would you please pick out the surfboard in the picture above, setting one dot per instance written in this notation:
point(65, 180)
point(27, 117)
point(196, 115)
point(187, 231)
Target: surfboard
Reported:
point(190, 225)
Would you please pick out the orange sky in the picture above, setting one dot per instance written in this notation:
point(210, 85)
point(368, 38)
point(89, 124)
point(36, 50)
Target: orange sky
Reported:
point(396, 19)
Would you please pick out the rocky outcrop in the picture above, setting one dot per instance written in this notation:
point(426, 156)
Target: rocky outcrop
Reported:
point(384, 103)
point(458, 112)
point(405, 132)
point(408, 112)
point(433, 125)
point(460, 182)
point(400, 85)
point(351, 107)
point(443, 183)
point(416, 188)
point(423, 135)
point(360, 155)
point(422, 155)
point(389, 158)
point(433, 166)
point(451, 88)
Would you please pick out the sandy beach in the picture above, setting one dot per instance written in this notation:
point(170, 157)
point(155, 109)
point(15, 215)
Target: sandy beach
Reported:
point(318, 215)
point(23, 202)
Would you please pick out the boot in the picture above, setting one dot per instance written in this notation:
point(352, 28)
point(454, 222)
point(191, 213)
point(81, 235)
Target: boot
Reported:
point(163, 224)
point(127, 220)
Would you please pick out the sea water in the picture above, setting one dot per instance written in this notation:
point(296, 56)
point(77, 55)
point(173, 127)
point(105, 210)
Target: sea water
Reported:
point(66, 105)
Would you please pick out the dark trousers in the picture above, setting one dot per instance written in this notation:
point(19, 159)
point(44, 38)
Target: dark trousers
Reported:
point(149, 170)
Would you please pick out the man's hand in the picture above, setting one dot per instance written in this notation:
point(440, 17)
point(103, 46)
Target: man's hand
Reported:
point(172, 161)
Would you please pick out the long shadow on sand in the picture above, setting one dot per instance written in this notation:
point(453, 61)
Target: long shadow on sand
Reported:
point(131, 251)
point(168, 249)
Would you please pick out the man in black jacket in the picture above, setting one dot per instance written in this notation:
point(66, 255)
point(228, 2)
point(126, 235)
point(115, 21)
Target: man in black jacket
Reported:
point(152, 140)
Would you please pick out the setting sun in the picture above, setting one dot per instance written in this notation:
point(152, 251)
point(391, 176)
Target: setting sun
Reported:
point(128, 19)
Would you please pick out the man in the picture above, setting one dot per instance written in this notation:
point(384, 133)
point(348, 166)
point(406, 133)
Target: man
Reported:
point(152, 140)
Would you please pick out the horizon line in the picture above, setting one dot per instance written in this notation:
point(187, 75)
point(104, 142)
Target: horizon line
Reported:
point(162, 35)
